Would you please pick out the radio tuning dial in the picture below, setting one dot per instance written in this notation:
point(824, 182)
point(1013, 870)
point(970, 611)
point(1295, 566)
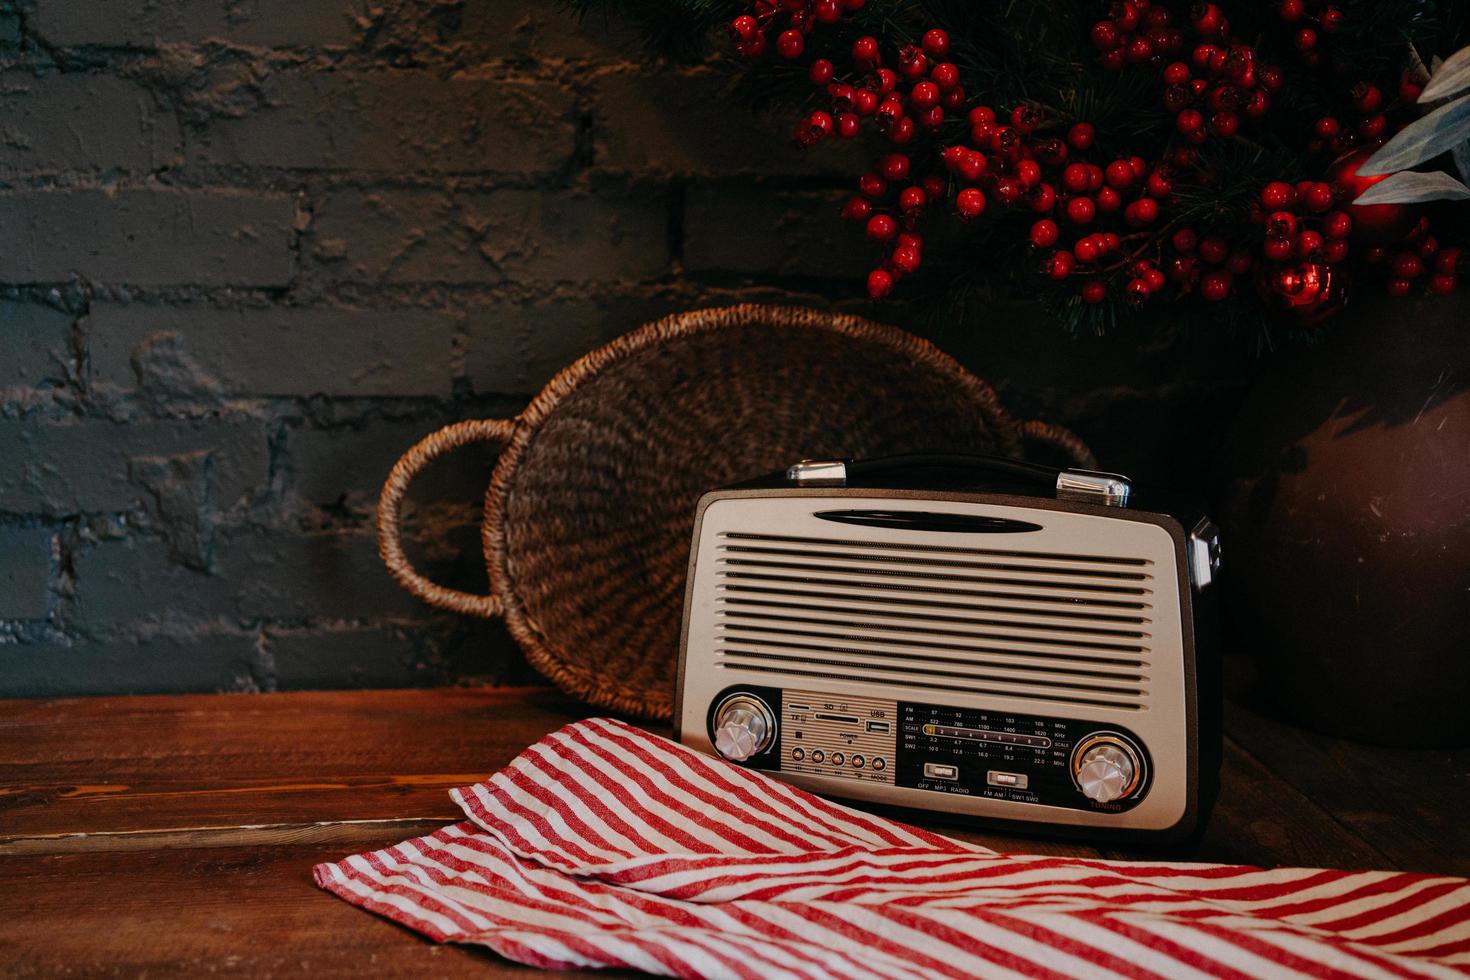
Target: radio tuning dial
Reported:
point(744, 726)
point(1106, 770)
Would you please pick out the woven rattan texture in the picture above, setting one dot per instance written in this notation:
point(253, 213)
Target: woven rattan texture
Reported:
point(588, 516)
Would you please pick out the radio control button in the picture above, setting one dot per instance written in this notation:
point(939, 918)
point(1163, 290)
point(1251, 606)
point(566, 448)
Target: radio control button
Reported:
point(837, 758)
point(858, 762)
point(818, 755)
point(880, 763)
point(798, 753)
point(744, 726)
point(939, 770)
point(1106, 771)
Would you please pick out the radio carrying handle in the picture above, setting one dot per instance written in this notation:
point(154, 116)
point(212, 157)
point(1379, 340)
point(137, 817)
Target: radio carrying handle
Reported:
point(1085, 486)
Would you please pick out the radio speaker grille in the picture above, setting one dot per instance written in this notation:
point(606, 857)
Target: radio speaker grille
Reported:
point(1042, 626)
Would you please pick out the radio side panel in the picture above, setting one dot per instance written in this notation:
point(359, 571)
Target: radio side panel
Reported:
point(956, 652)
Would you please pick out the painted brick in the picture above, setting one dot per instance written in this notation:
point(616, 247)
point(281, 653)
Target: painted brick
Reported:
point(515, 348)
point(278, 350)
point(346, 467)
point(37, 343)
point(755, 230)
point(25, 572)
point(489, 236)
point(262, 573)
point(396, 121)
point(71, 122)
point(354, 656)
point(542, 29)
point(149, 23)
point(152, 237)
point(63, 468)
point(154, 664)
point(684, 122)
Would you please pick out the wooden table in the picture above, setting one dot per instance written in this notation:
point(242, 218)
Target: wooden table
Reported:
point(175, 835)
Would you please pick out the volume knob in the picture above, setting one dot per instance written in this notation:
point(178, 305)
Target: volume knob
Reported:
point(744, 726)
point(1106, 770)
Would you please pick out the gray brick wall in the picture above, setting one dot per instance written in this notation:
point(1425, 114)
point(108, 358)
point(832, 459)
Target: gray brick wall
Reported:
point(250, 252)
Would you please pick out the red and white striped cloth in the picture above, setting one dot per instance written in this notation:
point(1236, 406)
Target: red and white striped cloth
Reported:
point(603, 846)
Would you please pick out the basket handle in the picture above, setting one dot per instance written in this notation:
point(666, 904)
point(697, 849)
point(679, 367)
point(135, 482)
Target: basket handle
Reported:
point(1060, 438)
point(390, 502)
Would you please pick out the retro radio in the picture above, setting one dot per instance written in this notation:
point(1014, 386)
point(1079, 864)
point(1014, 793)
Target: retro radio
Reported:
point(1018, 647)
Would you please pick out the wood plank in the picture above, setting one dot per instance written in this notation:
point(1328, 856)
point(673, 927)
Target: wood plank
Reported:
point(242, 911)
point(1412, 805)
point(93, 765)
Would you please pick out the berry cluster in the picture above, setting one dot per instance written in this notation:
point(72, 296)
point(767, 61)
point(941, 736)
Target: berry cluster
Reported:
point(1309, 26)
point(1421, 258)
point(751, 32)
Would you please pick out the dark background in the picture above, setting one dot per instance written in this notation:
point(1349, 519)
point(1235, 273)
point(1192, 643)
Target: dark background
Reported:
point(250, 250)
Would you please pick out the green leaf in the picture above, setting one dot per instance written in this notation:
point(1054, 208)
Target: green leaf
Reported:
point(1412, 187)
point(1448, 79)
point(1422, 139)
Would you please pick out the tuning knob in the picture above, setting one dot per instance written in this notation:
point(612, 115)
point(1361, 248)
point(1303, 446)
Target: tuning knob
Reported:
point(744, 726)
point(1106, 769)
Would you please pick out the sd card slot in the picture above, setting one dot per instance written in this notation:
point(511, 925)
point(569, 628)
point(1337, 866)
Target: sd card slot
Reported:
point(851, 720)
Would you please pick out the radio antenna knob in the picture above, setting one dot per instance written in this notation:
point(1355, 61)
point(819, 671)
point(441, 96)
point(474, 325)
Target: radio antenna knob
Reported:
point(744, 726)
point(1105, 772)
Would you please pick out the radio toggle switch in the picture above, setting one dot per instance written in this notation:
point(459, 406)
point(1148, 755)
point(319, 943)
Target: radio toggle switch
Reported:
point(744, 726)
point(1106, 769)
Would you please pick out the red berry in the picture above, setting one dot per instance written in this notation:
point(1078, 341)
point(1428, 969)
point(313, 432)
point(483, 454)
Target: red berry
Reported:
point(887, 80)
point(1043, 197)
point(744, 27)
point(1184, 241)
point(1399, 287)
point(1189, 121)
point(880, 283)
point(1292, 10)
point(828, 11)
point(1028, 172)
point(1373, 127)
point(1158, 185)
point(1335, 251)
point(1207, 18)
point(872, 185)
point(1442, 284)
point(1044, 233)
point(1305, 39)
point(1120, 174)
point(1104, 35)
point(1080, 136)
point(865, 101)
point(1094, 291)
point(1154, 279)
point(1338, 224)
point(1141, 212)
point(1447, 260)
point(848, 125)
point(912, 63)
point(935, 42)
point(1081, 210)
point(1367, 97)
point(1075, 177)
point(1327, 127)
point(1257, 104)
point(1108, 200)
point(901, 131)
point(1060, 265)
point(1139, 50)
point(790, 44)
point(1136, 291)
point(1214, 286)
point(1280, 224)
point(1176, 73)
point(954, 98)
point(1318, 197)
point(924, 94)
point(894, 166)
point(820, 72)
point(970, 203)
point(945, 75)
point(857, 209)
point(865, 51)
point(1008, 190)
point(905, 258)
point(1409, 88)
point(1278, 196)
point(912, 199)
point(1332, 19)
point(1278, 248)
point(1407, 265)
point(1087, 249)
point(1224, 123)
point(972, 166)
point(1308, 243)
point(881, 228)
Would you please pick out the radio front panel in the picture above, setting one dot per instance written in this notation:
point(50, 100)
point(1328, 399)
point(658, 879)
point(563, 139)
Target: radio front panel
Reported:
point(1034, 676)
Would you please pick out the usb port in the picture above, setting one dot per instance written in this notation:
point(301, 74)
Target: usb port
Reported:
point(880, 727)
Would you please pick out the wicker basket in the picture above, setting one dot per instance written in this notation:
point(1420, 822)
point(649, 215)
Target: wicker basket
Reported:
point(589, 511)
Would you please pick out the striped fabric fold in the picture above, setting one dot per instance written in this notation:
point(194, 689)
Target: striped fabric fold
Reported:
point(604, 846)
